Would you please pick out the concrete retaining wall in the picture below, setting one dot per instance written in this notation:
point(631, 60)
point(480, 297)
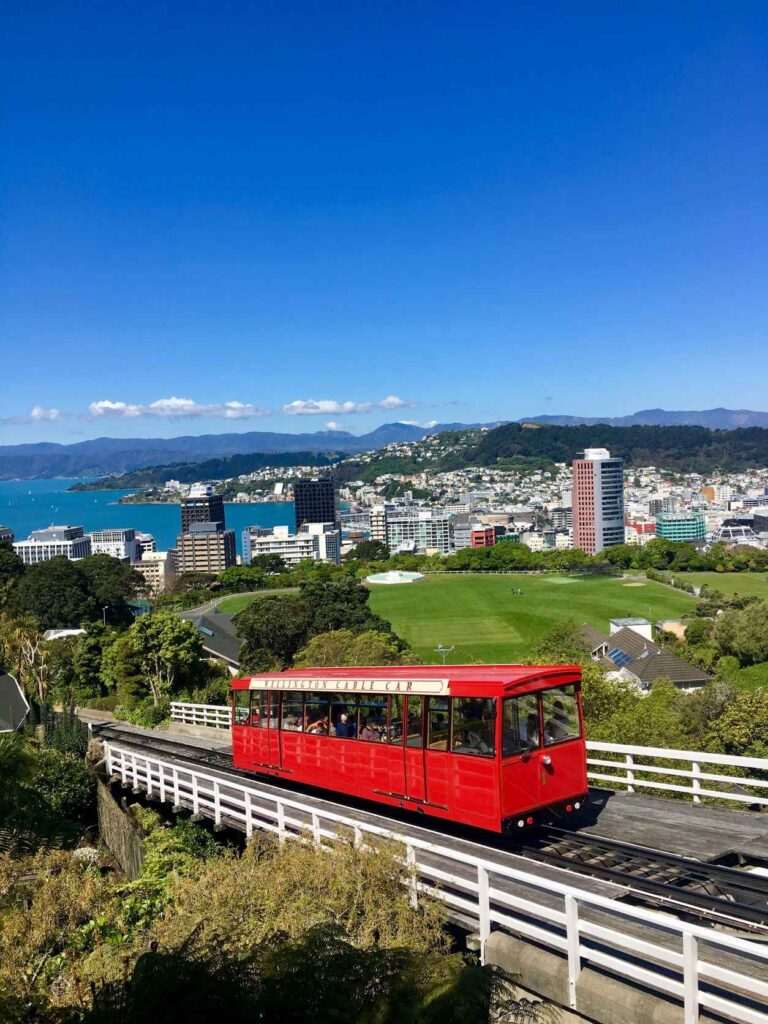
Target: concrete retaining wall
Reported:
point(119, 832)
point(600, 997)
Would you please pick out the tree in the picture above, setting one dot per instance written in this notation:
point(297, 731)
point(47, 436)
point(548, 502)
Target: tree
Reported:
point(242, 577)
point(112, 584)
point(340, 604)
point(25, 651)
point(11, 570)
point(269, 564)
point(342, 647)
point(56, 593)
point(121, 671)
point(369, 551)
point(744, 633)
point(273, 629)
point(169, 648)
point(741, 727)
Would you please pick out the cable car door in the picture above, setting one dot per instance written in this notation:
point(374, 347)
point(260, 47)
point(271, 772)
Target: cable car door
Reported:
point(273, 732)
point(413, 751)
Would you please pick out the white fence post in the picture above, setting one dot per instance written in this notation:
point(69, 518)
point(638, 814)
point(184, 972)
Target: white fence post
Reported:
point(690, 978)
point(281, 832)
point(483, 909)
point(696, 781)
point(248, 814)
point(574, 946)
point(413, 882)
point(630, 762)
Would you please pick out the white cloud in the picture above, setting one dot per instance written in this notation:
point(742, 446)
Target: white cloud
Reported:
point(40, 413)
point(327, 406)
point(175, 408)
point(431, 423)
point(333, 425)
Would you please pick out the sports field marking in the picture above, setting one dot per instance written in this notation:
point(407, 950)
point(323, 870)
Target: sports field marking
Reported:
point(634, 584)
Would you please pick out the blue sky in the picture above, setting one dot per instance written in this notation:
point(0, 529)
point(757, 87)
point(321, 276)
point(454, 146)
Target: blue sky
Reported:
point(422, 211)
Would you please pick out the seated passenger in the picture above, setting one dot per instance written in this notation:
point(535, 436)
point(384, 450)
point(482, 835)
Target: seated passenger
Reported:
point(319, 727)
point(371, 731)
point(343, 727)
point(529, 733)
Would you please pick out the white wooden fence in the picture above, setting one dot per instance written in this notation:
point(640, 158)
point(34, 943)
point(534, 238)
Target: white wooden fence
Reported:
point(703, 969)
point(649, 768)
point(217, 716)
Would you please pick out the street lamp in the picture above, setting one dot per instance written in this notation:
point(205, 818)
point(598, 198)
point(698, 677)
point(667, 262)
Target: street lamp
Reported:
point(442, 650)
point(104, 613)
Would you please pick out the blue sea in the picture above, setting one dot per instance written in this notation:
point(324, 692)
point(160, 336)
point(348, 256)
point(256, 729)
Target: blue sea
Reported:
point(27, 505)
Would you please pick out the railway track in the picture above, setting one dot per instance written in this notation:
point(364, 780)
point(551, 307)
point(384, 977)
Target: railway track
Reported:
point(722, 896)
point(725, 896)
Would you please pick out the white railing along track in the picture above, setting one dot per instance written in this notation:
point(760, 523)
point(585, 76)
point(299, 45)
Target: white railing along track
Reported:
point(586, 927)
point(216, 716)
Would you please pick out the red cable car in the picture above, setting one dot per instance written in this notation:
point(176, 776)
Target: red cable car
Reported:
point(494, 746)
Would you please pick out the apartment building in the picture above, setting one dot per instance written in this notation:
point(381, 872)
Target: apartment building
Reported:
point(158, 569)
point(120, 544)
point(207, 547)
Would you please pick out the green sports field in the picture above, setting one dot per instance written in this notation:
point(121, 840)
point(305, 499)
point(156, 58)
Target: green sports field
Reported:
point(741, 583)
point(481, 617)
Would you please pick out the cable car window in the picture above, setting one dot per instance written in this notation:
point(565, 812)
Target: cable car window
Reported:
point(439, 722)
point(560, 711)
point(293, 711)
point(520, 726)
point(372, 718)
point(259, 713)
point(396, 705)
point(414, 735)
point(241, 700)
point(474, 726)
point(316, 714)
point(344, 715)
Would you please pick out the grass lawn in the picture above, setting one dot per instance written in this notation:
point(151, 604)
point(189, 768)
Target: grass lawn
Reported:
point(486, 622)
point(741, 583)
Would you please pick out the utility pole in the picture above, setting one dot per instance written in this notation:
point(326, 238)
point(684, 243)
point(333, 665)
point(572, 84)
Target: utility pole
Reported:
point(442, 650)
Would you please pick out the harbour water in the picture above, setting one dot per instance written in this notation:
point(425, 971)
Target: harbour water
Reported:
point(27, 505)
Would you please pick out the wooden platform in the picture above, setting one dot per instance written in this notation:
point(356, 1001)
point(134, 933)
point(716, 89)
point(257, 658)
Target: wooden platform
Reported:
point(675, 826)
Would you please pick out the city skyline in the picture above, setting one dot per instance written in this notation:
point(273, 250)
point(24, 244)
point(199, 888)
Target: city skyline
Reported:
point(228, 220)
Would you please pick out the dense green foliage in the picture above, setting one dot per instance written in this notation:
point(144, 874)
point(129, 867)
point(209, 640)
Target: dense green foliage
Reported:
point(274, 629)
point(283, 933)
point(693, 449)
point(63, 594)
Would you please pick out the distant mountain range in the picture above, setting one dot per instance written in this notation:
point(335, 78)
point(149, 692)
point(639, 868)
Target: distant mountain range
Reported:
point(715, 419)
point(107, 456)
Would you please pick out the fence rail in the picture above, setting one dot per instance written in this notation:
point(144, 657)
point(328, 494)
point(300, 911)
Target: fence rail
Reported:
point(216, 716)
point(649, 768)
point(700, 968)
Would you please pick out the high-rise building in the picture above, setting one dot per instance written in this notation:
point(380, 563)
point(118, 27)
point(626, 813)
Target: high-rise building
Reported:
point(316, 501)
point(202, 506)
point(427, 533)
point(206, 547)
point(378, 521)
point(598, 501)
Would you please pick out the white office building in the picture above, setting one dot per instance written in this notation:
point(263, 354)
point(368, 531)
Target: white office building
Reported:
point(42, 545)
point(426, 533)
point(317, 541)
point(121, 544)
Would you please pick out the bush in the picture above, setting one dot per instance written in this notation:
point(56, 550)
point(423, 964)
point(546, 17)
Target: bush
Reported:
point(101, 703)
point(64, 781)
point(146, 713)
